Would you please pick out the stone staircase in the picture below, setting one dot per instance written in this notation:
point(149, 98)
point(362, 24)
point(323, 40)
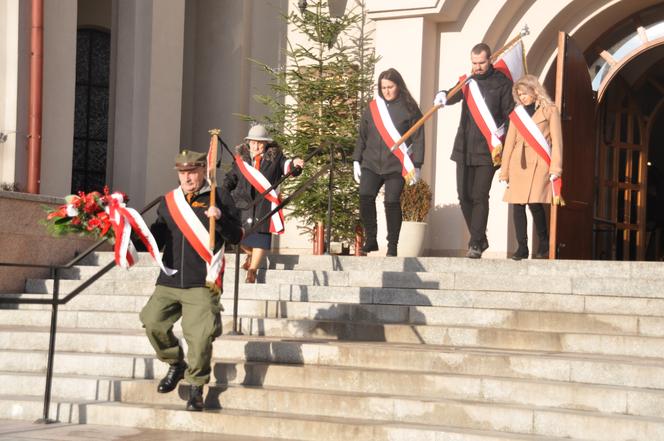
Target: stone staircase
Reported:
point(346, 348)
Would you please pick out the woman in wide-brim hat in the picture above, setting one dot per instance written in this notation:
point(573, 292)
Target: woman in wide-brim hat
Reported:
point(266, 156)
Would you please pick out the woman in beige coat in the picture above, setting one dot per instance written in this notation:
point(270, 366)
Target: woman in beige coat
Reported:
point(527, 174)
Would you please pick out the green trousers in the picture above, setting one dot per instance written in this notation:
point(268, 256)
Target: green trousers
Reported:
point(201, 324)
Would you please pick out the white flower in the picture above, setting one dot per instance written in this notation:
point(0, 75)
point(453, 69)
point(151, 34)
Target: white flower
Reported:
point(72, 211)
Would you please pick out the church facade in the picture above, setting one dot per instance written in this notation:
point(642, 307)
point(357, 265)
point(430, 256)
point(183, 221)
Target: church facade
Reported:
point(126, 84)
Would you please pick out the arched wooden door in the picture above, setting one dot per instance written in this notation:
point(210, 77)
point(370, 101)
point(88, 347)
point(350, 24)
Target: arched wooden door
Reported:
point(572, 225)
point(622, 176)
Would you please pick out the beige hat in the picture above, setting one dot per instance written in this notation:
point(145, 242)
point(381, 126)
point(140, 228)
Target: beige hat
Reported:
point(189, 159)
point(258, 133)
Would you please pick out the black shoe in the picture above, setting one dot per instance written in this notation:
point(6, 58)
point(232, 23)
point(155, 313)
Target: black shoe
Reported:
point(370, 245)
point(195, 402)
point(173, 376)
point(542, 251)
point(484, 245)
point(521, 253)
point(391, 250)
point(474, 252)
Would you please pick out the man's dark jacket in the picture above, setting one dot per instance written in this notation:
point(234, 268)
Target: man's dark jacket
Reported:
point(178, 253)
point(273, 167)
point(370, 150)
point(470, 146)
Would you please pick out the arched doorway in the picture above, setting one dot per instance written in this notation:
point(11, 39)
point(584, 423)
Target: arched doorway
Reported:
point(629, 155)
point(627, 79)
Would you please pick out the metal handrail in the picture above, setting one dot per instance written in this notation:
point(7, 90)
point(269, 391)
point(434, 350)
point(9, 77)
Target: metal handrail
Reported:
point(55, 302)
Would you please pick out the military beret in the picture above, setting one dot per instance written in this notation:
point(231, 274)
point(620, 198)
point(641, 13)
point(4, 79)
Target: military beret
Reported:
point(189, 159)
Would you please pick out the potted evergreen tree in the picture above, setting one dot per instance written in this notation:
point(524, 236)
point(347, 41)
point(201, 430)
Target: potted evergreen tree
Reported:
point(415, 205)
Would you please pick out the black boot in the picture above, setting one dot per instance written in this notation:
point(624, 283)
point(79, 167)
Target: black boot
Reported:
point(521, 230)
point(195, 402)
point(393, 219)
point(539, 217)
point(368, 218)
point(173, 376)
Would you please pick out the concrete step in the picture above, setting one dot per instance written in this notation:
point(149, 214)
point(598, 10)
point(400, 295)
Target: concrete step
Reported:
point(31, 408)
point(286, 425)
point(377, 280)
point(28, 431)
point(237, 425)
point(497, 415)
point(542, 268)
point(456, 336)
point(65, 387)
point(356, 382)
point(521, 307)
point(370, 322)
point(132, 356)
point(412, 407)
point(464, 295)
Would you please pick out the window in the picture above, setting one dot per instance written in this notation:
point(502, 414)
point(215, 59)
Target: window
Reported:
point(93, 48)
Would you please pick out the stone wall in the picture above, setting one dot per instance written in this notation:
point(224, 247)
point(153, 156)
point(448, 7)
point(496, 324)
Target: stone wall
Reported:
point(24, 240)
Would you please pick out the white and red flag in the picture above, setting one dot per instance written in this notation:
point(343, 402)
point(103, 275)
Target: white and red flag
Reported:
point(196, 234)
point(513, 62)
point(261, 184)
point(535, 139)
point(390, 135)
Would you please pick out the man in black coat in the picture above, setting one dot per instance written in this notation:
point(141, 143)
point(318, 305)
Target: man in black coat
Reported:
point(475, 166)
point(185, 294)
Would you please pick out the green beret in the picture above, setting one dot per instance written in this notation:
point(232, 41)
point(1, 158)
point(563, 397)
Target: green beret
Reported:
point(189, 159)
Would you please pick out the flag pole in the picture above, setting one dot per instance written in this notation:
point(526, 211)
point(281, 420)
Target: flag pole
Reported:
point(212, 181)
point(524, 31)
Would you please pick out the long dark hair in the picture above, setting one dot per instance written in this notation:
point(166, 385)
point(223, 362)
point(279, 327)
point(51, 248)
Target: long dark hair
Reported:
point(393, 75)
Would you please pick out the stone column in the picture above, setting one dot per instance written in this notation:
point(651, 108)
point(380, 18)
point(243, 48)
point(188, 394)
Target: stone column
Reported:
point(148, 40)
point(58, 98)
point(9, 47)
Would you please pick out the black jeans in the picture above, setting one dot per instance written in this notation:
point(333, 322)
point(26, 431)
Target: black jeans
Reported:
point(521, 225)
point(370, 183)
point(473, 185)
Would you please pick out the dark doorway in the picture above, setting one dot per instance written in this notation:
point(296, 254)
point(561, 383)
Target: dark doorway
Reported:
point(93, 54)
point(655, 198)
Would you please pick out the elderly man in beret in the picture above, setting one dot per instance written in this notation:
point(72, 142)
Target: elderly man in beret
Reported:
point(182, 219)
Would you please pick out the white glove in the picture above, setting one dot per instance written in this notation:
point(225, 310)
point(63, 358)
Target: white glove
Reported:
point(553, 177)
point(416, 177)
point(500, 131)
point(441, 99)
point(357, 171)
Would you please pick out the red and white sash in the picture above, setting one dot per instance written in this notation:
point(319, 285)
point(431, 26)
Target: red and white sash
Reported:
point(261, 184)
point(535, 139)
point(512, 64)
point(125, 220)
point(390, 135)
point(493, 134)
point(196, 234)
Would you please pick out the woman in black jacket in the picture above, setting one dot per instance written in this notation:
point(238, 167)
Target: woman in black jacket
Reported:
point(374, 165)
point(266, 156)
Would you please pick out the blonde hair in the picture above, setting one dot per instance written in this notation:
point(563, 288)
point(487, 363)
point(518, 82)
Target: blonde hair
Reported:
point(532, 86)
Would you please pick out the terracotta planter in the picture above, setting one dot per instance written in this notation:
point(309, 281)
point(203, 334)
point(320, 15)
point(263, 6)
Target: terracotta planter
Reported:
point(411, 239)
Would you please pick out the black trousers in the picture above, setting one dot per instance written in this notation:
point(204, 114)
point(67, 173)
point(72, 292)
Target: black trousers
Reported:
point(473, 185)
point(370, 184)
point(521, 224)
